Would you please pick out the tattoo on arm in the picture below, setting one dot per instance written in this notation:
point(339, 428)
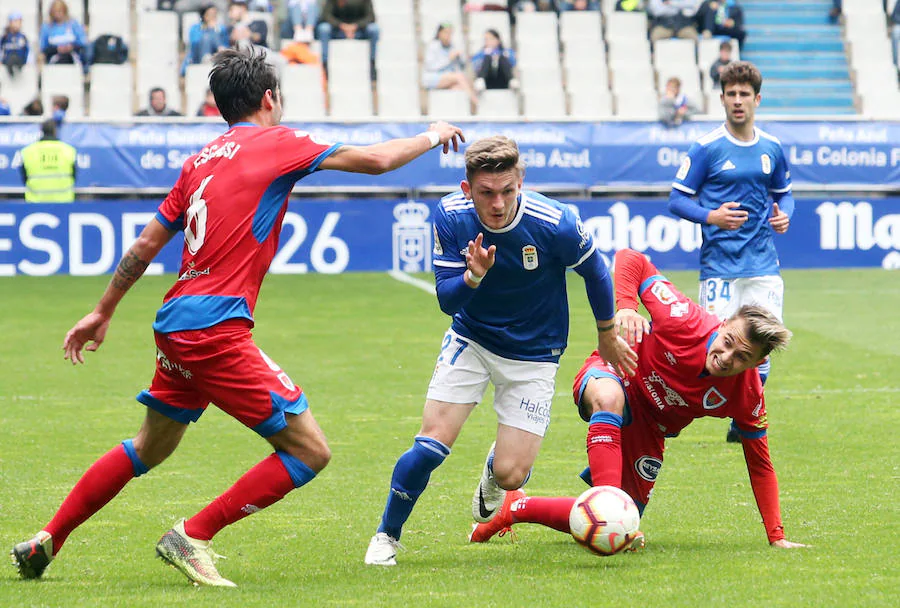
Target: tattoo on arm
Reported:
point(128, 271)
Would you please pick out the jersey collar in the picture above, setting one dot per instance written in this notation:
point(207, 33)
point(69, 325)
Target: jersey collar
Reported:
point(243, 124)
point(519, 212)
point(738, 142)
point(709, 342)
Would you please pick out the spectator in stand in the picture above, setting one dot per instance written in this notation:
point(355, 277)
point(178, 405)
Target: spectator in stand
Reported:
point(580, 5)
point(444, 67)
point(209, 108)
point(14, 44)
point(724, 19)
point(672, 19)
point(48, 168)
point(239, 13)
point(241, 37)
point(895, 30)
point(494, 64)
point(157, 106)
point(35, 107)
point(835, 13)
point(715, 70)
point(206, 38)
point(59, 105)
point(348, 19)
point(530, 6)
point(300, 24)
point(62, 38)
point(674, 106)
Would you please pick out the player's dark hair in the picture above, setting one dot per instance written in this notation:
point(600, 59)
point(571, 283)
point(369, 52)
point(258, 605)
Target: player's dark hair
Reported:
point(493, 155)
point(239, 80)
point(763, 328)
point(742, 72)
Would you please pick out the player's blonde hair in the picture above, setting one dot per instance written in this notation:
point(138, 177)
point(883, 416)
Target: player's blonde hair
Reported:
point(763, 328)
point(493, 154)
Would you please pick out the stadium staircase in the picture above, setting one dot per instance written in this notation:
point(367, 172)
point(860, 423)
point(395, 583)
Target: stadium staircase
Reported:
point(801, 56)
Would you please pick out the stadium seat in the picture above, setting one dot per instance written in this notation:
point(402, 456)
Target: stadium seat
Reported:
point(583, 76)
point(714, 107)
point(863, 7)
point(66, 80)
point(580, 51)
point(352, 104)
point(196, 81)
point(590, 104)
point(865, 25)
point(538, 51)
point(404, 7)
point(632, 76)
point(154, 26)
point(881, 106)
point(446, 104)
point(480, 22)
point(20, 89)
point(395, 51)
point(881, 76)
point(689, 76)
point(396, 27)
point(398, 103)
point(536, 25)
point(302, 90)
point(544, 104)
point(397, 80)
point(109, 17)
point(31, 18)
point(578, 26)
point(188, 20)
point(112, 92)
point(674, 51)
point(541, 77)
point(498, 103)
point(348, 62)
point(636, 104)
point(629, 51)
point(626, 26)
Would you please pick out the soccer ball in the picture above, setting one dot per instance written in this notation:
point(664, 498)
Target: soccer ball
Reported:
point(604, 520)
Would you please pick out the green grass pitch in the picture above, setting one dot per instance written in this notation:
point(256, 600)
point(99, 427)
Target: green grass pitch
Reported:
point(363, 347)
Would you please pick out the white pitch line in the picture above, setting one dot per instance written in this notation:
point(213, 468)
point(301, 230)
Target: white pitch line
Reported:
point(411, 280)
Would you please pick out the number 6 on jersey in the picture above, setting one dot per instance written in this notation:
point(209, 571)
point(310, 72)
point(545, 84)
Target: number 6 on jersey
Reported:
point(195, 219)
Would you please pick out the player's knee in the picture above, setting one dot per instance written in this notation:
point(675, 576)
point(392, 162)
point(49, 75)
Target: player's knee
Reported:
point(315, 454)
point(152, 453)
point(597, 398)
point(510, 475)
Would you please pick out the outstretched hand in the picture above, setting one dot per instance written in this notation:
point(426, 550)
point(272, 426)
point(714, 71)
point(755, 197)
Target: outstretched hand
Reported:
point(780, 221)
point(615, 351)
point(90, 331)
point(478, 259)
point(449, 134)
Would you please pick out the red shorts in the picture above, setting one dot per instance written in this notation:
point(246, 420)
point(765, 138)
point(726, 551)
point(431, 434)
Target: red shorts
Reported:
point(223, 366)
point(643, 442)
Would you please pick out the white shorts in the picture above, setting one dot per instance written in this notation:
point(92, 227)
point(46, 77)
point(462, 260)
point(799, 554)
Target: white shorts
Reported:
point(523, 390)
point(723, 297)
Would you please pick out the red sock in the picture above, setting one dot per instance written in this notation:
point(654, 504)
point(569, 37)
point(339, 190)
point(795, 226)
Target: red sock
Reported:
point(604, 451)
point(261, 486)
point(99, 484)
point(550, 512)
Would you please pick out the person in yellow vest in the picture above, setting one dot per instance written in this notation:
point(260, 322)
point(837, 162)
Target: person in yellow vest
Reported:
point(48, 168)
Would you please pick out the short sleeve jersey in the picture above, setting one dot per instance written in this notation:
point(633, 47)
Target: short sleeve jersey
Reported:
point(720, 168)
point(671, 378)
point(230, 201)
point(520, 311)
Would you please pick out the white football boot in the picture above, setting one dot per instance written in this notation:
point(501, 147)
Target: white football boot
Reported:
point(382, 550)
point(488, 495)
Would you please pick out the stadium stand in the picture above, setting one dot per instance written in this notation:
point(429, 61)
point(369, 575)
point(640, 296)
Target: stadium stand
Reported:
point(594, 65)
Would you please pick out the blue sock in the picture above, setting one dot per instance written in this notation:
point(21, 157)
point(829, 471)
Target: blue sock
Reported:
point(586, 476)
point(411, 474)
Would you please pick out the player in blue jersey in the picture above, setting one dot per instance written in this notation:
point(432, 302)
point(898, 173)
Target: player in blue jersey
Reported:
point(740, 177)
point(500, 260)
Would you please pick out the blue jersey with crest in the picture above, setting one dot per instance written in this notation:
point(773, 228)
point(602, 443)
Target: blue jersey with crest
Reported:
point(720, 168)
point(520, 311)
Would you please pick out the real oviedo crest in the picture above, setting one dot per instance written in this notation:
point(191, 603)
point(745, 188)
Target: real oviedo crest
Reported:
point(529, 257)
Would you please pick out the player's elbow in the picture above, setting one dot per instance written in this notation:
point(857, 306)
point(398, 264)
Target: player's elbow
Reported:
point(446, 306)
point(376, 163)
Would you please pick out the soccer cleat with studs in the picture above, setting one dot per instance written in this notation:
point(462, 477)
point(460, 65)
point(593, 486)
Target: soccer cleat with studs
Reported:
point(33, 556)
point(195, 558)
point(501, 524)
point(382, 550)
point(488, 495)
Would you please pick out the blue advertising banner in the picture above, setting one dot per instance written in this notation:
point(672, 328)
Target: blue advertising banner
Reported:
point(378, 235)
point(579, 154)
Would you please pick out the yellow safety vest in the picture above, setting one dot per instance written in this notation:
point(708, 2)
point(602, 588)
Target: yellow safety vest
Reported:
point(49, 169)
